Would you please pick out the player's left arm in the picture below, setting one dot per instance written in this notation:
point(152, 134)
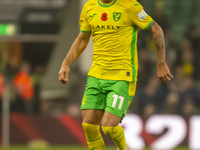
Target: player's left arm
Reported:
point(163, 71)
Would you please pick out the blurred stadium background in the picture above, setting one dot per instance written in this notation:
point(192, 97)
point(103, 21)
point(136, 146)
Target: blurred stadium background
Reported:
point(39, 112)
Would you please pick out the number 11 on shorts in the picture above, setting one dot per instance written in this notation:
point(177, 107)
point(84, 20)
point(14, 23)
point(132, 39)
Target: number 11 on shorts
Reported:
point(116, 97)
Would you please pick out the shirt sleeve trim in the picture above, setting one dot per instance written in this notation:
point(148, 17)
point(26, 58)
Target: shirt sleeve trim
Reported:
point(85, 31)
point(148, 24)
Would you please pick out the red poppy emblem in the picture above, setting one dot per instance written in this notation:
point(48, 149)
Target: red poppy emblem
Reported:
point(104, 17)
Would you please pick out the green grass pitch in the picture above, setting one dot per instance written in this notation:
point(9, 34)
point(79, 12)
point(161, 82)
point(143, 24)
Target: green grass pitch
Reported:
point(70, 148)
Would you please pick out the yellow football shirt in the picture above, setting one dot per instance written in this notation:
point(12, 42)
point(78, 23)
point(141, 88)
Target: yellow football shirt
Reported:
point(114, 29)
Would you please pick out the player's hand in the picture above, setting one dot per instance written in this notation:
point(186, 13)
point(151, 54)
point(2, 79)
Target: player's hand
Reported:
point(63, 74)
point(163, 73)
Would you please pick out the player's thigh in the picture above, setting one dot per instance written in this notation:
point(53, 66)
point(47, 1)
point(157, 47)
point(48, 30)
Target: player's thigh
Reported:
point(92, 116)
point(120, 97)
point(93, 97)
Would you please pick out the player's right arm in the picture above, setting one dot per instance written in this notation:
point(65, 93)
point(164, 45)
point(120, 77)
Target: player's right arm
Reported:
point(76, 49)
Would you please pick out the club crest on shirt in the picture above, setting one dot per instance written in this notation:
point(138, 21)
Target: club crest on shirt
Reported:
point(116, 16)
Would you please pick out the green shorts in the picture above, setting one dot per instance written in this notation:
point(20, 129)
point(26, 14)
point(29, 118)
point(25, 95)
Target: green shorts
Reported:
point(111, 95)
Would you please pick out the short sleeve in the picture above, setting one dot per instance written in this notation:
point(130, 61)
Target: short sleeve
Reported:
point(138, 16)
point(83, 22)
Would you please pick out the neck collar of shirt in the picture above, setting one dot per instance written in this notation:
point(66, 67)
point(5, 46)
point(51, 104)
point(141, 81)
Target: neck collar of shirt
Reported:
point(106, 4)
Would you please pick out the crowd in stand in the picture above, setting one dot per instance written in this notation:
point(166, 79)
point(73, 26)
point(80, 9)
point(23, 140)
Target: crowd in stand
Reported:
point(181, 95)
point(19, 79)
